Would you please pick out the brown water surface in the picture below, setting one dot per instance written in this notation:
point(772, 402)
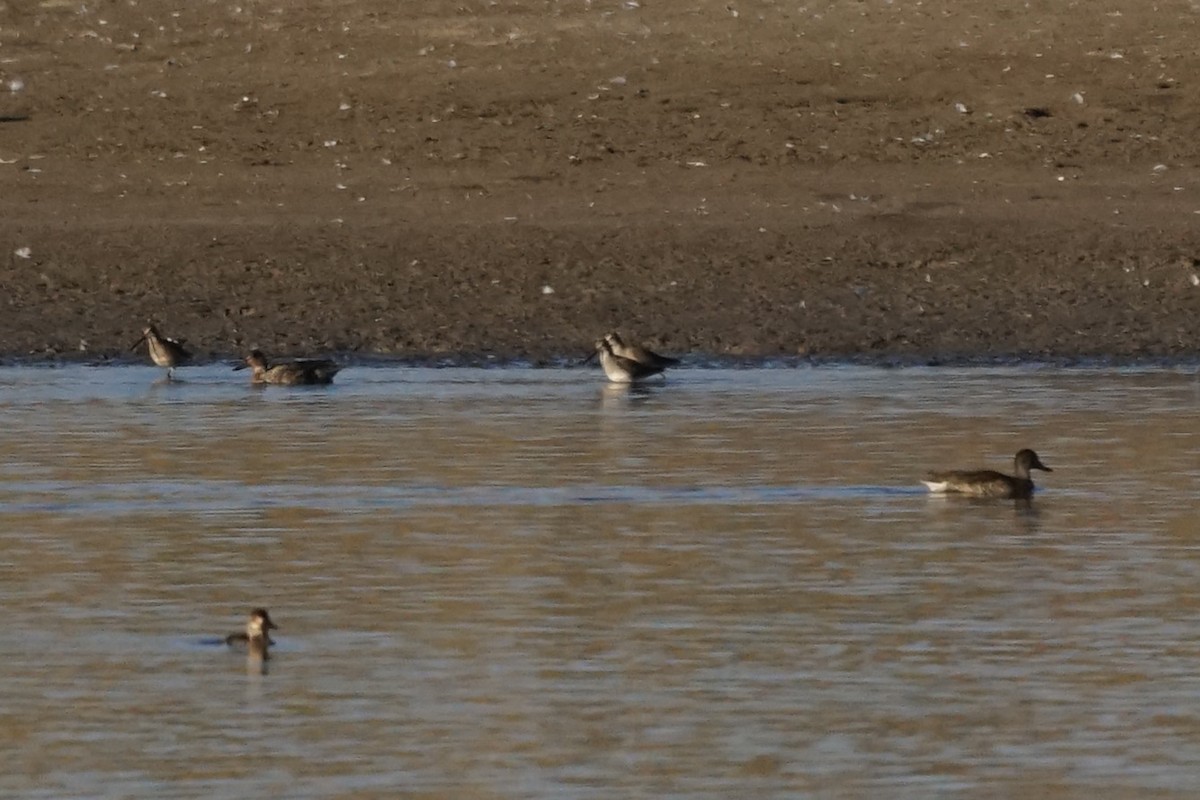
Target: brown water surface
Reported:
point(521, 583)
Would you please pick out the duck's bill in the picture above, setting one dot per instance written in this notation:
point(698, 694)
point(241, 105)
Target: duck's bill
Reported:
point(590, 358)
point(140, 339)
point(236, 367)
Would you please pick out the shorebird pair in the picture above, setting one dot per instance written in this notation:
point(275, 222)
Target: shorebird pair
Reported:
point(628, 363)
point(989, 483)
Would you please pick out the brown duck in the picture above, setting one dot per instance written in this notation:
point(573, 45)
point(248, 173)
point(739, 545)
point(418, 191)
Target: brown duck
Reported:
point(989, 483)
point(302, 372)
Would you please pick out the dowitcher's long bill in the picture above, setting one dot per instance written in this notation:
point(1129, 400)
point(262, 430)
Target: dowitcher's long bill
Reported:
point(164, 351)
point(622, 370)
point(635, 352)
point(302, 372)
point(989, 483)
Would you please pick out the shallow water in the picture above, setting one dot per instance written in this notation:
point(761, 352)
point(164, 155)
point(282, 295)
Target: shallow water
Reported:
point(517, 583)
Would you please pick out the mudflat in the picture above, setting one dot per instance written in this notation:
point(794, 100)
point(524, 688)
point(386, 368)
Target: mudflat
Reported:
point(949, 179)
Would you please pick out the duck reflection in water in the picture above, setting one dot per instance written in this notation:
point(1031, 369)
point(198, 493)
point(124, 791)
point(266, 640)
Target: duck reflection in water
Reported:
point(1028, 516)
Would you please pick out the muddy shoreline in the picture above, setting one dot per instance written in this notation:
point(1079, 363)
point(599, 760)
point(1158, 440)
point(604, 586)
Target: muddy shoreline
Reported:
point(895, 184)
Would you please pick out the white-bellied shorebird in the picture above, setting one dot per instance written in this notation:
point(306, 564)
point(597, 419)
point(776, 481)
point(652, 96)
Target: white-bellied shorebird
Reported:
point(619, 369)
point(164, 351)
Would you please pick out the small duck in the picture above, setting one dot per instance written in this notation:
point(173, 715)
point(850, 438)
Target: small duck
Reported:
point(302, 372)
point(989, 483)
point(164, 352)
point(620, 369)
point(638, 353)
point(255, 635)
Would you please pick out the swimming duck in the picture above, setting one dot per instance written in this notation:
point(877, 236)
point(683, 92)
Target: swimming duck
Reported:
point(620, 369)
point(164, 352)
point(256, 634)
point(302, 372)
point(989, 483)
point(638, 353)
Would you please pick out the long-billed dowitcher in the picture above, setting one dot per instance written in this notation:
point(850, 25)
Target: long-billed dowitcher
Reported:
point(989, 483)
point(635, 352)
point(302, 372)
point(620, 369)
point(164, 352)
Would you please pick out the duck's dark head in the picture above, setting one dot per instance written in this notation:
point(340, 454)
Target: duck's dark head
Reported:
point(1027, 459)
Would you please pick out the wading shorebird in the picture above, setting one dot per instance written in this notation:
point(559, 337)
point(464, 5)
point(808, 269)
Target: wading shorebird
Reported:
point(303, 372)
point(164, 352)
point(620, 369)
point(989, 483)
point(638, 353)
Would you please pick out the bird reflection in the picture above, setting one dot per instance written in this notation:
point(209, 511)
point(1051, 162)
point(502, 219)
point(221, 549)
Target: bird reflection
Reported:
point(618, 396)
point(1027, 515)
point(257, 656)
